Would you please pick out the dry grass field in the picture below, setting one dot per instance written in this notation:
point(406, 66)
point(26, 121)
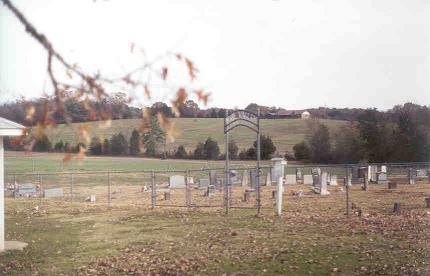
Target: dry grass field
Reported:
point(312, 236)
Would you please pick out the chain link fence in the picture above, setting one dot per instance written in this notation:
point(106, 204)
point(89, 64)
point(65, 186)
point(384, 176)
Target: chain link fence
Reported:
point(199, 188)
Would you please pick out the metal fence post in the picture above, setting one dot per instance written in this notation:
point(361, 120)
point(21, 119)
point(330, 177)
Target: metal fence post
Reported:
point(40, 188)
point(347, 196)
point(153, 191)
point(71, 187)
point(108, 182)
point(14, 186)
point(187, 190)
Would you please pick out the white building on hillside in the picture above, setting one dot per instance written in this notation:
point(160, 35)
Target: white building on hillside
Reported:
point(306, 115)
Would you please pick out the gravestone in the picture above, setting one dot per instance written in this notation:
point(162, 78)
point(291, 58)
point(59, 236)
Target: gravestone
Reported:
point(91, 198)
point(381, 178)
point(190, 180)
point(56, 192)
point(307, 179)
point(362, 172)
point(253, 178)
point(315, 180)
point(278, 166)
point(323, 188)
point(349, 176)
point(299, 175)
point(211, 190)
point(245, 178)
point(290, 179)
point(177, 181)
point(421, 173)
point(26, 190)
point(333, 180)
point(316, 171)
point(234, 177)
point(203, 183)
point(213, 178)
point(268, 179)
point(321, 184)
point(412, 175)
point(373, 173)
point(384, 169)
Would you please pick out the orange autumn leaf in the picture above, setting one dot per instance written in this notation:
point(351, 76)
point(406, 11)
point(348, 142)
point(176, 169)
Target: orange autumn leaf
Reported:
point(147, 92)
point(84, 134)
point(67, 157)
point(191, 69)
point(202, 96)
point(181, 97)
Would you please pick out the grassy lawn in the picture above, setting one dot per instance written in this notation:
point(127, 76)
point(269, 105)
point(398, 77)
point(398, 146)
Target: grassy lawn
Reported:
point(22, 162)
point(285, 133)
point(313, 236)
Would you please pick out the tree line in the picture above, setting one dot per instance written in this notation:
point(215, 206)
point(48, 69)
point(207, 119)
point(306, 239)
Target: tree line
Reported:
point(152, 143)
point(117, 106)
point(401, 134)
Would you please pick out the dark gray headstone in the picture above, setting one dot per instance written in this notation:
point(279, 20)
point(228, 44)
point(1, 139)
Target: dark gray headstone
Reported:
point(253, 178)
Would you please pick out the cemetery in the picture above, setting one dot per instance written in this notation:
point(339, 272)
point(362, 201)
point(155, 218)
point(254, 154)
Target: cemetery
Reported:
point(291, 218)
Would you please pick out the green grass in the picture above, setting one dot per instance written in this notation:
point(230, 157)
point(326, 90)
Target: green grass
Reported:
point(20, 162)
point(284, 132)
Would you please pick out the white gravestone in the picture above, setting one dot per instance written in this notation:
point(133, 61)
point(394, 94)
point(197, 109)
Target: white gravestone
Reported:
point(268, 179)
point(177, 181)
point(333, 180)
point(278, 166)
point(290, 179)
point(307, 179)
point(384, 169)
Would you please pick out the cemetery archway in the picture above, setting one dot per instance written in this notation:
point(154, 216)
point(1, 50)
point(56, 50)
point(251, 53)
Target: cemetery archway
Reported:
point(250, 120)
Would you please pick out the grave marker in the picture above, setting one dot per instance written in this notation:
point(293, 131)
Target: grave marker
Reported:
point(56, 192)
point(290, 179)
point(176, 181)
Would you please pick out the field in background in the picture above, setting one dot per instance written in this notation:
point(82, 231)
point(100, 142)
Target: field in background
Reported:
point(284, 132)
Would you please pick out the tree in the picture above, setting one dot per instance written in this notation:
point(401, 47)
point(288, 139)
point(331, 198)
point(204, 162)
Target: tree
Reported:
point(319, 144)
point(348, 145)
point(189, 109)
point(119, 145)
point(211, 149)
point(232, 149)
point(42, 144)
point(135, 143)
point(267, 147)
point(96, 147)
point(153, 138)
point(199, 152)
point(301, 151)
point(59, 146)
point(106, 148)
point(180, 152)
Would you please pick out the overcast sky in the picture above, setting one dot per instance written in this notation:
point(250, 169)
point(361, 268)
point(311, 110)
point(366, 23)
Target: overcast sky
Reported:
point(290, 53)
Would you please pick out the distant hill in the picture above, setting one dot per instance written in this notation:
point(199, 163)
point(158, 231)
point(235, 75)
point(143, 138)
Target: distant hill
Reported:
point(284, 132)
